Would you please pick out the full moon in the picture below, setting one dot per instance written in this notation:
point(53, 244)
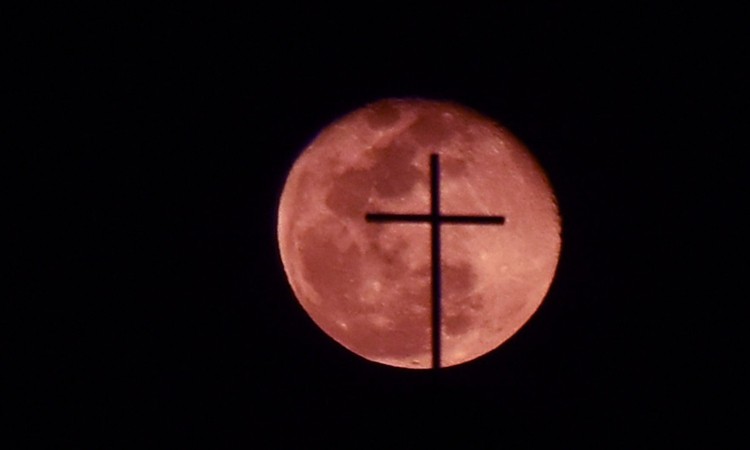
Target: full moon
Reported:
point(369, 285)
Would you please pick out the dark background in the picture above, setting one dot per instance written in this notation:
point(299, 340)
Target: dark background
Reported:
point(149, 304)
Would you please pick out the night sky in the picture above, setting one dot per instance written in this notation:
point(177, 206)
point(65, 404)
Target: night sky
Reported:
point(149, 301)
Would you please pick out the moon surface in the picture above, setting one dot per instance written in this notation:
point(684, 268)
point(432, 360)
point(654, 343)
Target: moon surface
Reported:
point(367, 285)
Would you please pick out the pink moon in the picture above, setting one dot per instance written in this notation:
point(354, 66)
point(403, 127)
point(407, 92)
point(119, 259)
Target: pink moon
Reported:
point(368, 285)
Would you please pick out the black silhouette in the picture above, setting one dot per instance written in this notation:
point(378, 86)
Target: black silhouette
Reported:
point(435, 219)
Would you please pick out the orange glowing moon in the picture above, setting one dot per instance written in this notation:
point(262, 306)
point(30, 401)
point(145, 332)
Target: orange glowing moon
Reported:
point(367, 285)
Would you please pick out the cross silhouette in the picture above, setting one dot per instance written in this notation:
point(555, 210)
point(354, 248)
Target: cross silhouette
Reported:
point(435, 219)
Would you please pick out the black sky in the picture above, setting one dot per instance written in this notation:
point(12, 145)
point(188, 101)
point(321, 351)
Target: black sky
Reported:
point(149, 301)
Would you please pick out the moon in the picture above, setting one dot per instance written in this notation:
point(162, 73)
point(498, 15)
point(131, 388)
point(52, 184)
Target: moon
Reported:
point(368, 285)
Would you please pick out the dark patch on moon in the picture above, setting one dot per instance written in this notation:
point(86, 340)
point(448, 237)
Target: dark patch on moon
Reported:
point(458, 280)
point(393, 172)
point(457, 324)
point(392, 175)
point(392, 261)
point(388, 256)
point(430, 129)
point(349, 193)
point(382, 115)
point(453, 167)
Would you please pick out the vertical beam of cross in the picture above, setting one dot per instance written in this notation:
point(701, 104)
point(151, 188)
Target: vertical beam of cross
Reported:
point(436, 259)
point(435, 219)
